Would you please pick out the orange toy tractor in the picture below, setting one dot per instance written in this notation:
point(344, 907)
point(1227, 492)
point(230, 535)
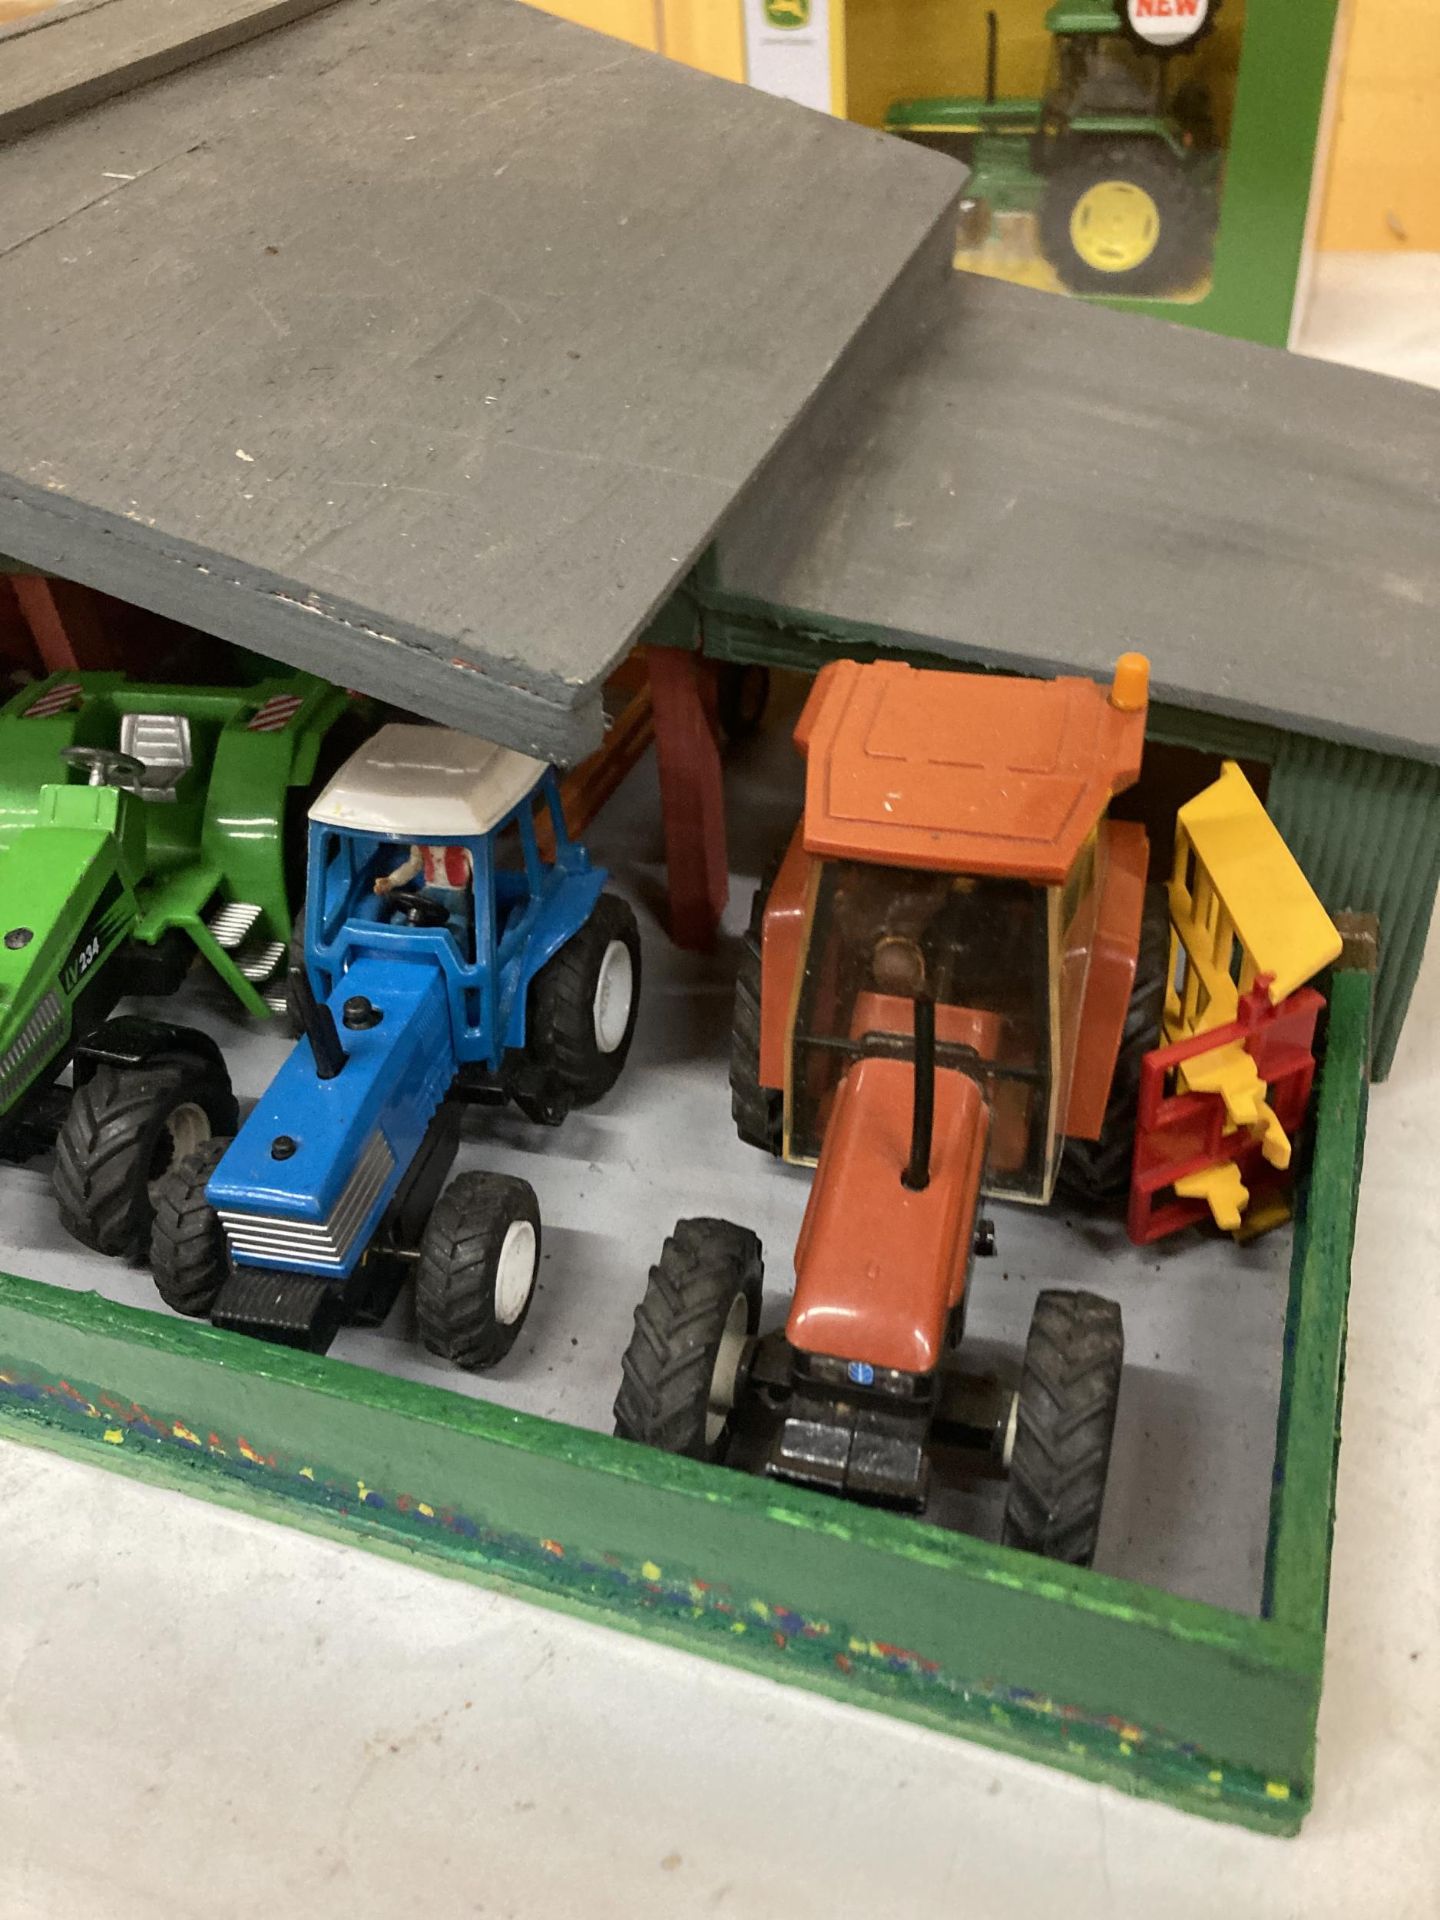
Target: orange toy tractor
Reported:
point(947, 989)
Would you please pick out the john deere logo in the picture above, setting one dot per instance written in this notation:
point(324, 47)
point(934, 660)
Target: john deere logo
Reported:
point(1167, 24)
point(787, 13)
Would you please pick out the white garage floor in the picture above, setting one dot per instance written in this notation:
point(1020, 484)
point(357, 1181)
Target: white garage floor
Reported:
point(202, 1713)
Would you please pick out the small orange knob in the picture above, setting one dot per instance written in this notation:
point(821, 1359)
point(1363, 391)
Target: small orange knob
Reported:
point(1130, 689)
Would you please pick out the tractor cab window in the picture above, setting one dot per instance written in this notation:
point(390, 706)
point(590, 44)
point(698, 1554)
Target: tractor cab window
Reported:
point(359, 879)
point(981, 947)
point(1094, 74)
point(343, 867)
point(524, 848)
point(549, 818)
point(508, 849)
point(513, 860)
point(430, 883)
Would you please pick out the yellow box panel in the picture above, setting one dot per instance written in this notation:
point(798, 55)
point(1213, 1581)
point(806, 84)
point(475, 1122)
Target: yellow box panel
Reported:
point(708, 34)
point(638, 21)
point(1382, 190)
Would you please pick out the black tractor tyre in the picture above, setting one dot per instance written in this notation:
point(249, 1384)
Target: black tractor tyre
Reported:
point(758, 1112)
point(567, 1034)
point(188, 1258)
point(1065, 1421)
point(681, 1369)
point(1097, 1172)
point(1187, 211)
point(479, 1261)
point(742, 694)
point(125, 1127)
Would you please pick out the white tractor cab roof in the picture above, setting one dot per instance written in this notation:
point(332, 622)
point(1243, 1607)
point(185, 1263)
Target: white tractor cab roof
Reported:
point(427, 784)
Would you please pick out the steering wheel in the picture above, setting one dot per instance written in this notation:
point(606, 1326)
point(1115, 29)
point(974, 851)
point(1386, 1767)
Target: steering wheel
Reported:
point(418, 908)
point(104, 766)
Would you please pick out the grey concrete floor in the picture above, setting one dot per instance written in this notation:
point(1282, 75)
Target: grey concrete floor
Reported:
point(1188, 1504)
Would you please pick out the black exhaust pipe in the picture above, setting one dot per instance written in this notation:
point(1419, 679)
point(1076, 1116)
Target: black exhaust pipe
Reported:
point(319, 1025)
point(917, 1174)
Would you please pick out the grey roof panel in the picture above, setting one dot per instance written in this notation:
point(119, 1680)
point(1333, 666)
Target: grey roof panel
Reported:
point(425, 342)
point(80, 51)
point(1047, 483)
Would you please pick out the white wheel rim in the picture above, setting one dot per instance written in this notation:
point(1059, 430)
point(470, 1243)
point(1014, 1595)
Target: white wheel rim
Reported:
point(514, 1272)
point(188, 1127)
point(614, 992)
point(720, 1403)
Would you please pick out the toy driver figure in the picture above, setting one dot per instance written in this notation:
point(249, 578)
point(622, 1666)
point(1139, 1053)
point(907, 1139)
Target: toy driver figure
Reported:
point(886, 917)
point(446, 874)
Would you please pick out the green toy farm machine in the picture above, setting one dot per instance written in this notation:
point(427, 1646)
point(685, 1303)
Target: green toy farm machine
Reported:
point(141, 827)
point(1119, 167)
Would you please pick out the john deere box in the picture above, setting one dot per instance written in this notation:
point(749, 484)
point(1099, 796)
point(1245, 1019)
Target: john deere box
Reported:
point(1155, 153)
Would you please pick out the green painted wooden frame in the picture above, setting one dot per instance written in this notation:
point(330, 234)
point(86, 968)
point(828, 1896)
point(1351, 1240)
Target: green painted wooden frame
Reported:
point(1207, 1709)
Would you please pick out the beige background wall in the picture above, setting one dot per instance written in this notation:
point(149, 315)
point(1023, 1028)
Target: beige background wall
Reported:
point(1383, 187)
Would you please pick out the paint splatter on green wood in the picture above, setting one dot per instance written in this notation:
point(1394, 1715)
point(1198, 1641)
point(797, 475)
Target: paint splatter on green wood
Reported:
point(1028, 1719)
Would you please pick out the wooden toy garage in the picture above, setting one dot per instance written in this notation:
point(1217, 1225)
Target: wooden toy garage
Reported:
point(555, 412)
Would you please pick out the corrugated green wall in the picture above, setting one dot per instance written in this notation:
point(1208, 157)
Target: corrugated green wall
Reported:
point(1366, 829)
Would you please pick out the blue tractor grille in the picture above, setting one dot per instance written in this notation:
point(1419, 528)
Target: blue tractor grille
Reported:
point(321, 1245)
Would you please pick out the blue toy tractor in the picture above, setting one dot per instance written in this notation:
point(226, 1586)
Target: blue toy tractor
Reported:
point(446, 960)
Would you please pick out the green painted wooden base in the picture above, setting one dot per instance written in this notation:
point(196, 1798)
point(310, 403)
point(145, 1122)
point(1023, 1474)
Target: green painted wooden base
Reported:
point(1159, 1696)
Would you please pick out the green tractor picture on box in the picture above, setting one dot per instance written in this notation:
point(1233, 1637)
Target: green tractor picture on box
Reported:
point(1112, 175)
point(141, 827)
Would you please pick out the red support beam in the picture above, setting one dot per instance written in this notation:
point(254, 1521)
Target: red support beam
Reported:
point(17, 643)
point(692, 795)
point(71, 624)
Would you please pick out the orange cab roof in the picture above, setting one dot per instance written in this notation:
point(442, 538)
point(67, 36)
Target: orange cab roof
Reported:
point(965, 772)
